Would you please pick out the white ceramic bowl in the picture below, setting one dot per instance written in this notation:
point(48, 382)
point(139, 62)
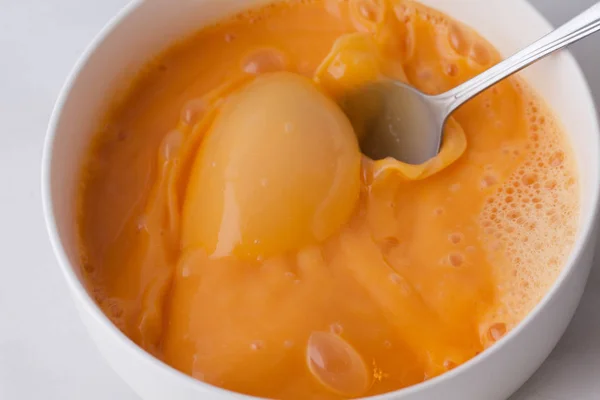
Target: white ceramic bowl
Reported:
point(144, 28)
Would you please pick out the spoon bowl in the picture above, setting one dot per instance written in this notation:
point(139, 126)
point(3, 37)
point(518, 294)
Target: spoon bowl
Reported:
point(383, 112)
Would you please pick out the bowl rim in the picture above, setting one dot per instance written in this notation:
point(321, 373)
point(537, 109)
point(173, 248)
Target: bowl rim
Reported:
point(83, 297)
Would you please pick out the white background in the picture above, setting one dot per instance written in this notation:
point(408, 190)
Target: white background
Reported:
point(44, 350)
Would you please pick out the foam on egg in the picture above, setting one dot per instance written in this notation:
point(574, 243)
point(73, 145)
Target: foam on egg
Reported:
point(530, 222)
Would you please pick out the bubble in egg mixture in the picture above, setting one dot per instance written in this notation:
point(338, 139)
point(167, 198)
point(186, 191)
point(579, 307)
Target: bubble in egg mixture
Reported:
point(336, 364)
point(480, 54)
point(459, 40)
point(534, 214)
point(264, 60)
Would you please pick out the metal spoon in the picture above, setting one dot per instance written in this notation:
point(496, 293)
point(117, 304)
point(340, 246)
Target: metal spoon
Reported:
point(401, 122)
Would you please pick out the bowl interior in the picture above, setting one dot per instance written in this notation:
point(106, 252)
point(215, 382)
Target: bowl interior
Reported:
point(127, 43)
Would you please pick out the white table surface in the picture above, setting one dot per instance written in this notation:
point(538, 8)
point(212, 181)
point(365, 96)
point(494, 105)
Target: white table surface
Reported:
point(45, 352)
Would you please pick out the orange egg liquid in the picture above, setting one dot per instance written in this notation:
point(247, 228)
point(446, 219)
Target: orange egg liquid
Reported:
point(230, 226)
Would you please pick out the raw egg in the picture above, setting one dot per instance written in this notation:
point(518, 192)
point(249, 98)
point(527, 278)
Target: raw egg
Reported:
point(278, 170)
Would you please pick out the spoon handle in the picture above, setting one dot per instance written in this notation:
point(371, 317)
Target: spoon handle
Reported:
point(579, 27)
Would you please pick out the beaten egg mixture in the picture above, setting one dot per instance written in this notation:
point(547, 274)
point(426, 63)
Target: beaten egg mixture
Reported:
point(231, 227)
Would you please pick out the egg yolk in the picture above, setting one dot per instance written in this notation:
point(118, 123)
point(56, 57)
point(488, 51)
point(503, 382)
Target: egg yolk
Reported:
point(279, 169)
